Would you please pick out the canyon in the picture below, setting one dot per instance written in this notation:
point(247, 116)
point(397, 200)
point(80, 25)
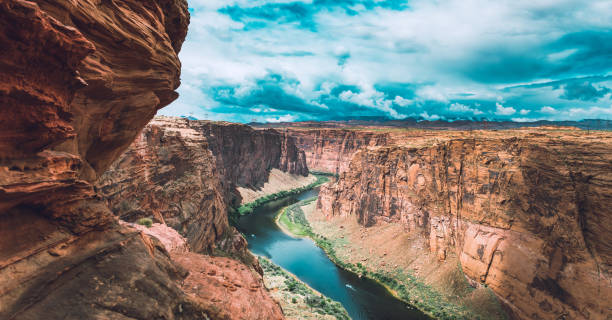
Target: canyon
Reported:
point(524, 212)
point(187, 174)
point(80, 81)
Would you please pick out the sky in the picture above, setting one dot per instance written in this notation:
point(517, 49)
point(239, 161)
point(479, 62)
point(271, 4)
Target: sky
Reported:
point(283, 60)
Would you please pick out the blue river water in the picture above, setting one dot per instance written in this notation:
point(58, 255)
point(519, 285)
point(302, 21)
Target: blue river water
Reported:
point(362, 298)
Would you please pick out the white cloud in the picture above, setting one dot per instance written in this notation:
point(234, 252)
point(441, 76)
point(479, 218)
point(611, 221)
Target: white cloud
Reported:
point(548, 109)
point(402, 102)
point(500, 110)
point(428, 45)
point(432, 117)
point(458, 107)
point(524, 120)
point(285, 118)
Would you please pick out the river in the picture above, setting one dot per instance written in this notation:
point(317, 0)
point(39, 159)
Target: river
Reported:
point(363, 298)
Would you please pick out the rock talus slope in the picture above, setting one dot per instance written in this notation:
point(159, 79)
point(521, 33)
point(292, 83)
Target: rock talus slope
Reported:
point(79, 81)
point(527, 216)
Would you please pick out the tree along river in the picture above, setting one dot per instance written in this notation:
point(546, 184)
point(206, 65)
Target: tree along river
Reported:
point(362, 298)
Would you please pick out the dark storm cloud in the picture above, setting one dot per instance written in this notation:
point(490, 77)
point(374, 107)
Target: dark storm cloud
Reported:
point(584, 91)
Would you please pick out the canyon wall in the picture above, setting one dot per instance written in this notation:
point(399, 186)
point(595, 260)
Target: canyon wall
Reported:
point(331, 150)
point(528, 216)
point(185, 173)
point(79, 82)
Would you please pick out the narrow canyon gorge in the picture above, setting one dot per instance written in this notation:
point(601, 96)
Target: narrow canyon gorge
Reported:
point(525, 214)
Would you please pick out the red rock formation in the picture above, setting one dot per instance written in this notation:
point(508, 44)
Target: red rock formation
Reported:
point(527, 216)
point(331, 150)
point(170, 173)
point(185, 173)
point(245, 155)
point(79, 81)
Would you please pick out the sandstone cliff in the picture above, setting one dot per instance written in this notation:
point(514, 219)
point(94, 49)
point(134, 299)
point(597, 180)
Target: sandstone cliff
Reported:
point(79, 81)
point(528, 215)
point(185, 173)
point(331, 150)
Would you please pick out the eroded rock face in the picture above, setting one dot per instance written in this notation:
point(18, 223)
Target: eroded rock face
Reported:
point(527, 216)
point(331, 150)
point(245, 155)
point(170, 173)
point(186, 172)
point(79, 80)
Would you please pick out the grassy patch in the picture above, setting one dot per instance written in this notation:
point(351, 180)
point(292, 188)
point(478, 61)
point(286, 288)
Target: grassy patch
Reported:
point(147, 222)
point(294, 220)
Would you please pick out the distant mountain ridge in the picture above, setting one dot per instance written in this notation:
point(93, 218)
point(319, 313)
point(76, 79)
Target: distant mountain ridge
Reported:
point(586, 124)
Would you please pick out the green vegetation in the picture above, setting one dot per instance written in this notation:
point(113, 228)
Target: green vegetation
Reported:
point(323, 173)
point(292, 218)
point(317, 302)
point(404, 285)
point(147, 222)
point(248, 208)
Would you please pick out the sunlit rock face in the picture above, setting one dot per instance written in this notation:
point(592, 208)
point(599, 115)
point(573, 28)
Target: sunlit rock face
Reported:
point(527, 216)
point(79, 81)
point(331, 150)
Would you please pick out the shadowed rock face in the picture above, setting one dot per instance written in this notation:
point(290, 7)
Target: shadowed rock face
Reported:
point(79, 81)
point(527, 216)
point(185, 173)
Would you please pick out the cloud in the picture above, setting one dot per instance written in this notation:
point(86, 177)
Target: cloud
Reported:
point(500, 110)
point(461, 108)
point(584, 91)
point(285, 118)
point(334, 59)
point(548, 109)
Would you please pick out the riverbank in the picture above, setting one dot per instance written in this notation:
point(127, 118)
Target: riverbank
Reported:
point(277, 181)
point(381, 256)
point(297, 299)
point(248, 208)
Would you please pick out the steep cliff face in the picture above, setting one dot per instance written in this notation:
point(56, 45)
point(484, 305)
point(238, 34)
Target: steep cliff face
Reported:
point(245, 155)
point(185, 174)
point(170, 173)
point(527, 216)
point(79, 81)
point(331, 150)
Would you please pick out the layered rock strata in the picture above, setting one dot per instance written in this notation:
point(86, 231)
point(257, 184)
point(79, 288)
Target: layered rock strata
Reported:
point(186, 173)
point(528, 216)
point(331, 150)
point(79, 81)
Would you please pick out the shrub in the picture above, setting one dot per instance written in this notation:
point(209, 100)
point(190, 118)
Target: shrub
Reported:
point(147, 222)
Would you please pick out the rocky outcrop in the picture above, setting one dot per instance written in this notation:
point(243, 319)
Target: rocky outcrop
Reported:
point(226, 287)
point(169, 173)
point(79, 81)
point(528, 216)
point(68, 98)
point(185, 173)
